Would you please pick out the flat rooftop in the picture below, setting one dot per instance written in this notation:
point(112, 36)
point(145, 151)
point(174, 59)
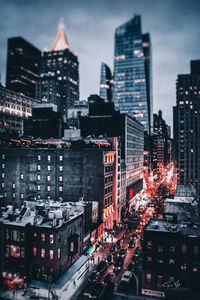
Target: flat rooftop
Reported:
point(187, 190)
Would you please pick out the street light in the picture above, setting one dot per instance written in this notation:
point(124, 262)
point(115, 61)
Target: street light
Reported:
point(137, 286)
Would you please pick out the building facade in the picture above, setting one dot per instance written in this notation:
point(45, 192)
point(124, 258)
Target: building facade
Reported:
point(23, 66)
point(14, 108)
point(59, 74)
point(106, 82)
point(187, 126)
point(132, 72)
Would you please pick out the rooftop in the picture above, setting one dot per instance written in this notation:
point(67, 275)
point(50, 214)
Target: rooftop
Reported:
point(185, 191)
point(41, 213)
point(162, 225)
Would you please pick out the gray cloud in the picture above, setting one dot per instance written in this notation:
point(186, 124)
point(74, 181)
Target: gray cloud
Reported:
point(174, 26)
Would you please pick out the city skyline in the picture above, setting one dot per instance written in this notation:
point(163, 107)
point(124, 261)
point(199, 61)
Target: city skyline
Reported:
point(87, 33)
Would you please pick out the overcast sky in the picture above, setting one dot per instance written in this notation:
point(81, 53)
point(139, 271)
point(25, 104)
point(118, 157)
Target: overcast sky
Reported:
point(174, 26)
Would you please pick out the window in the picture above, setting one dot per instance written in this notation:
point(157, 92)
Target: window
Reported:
point(22, 196)
point(13, 185)
point(38, 177)
point(60, 178)
point(48, 168)
point(15, 251)
point(3, 156)
point(48, 157)
point(160, 248)
point(60, 188)
point(13, 195)
point(184, 248)
point(34, 251)
point(48, 178)
point(42, 237)
point(172, 249)
point(149, 245)
point(59, 254)
point(60, 158)
point(21, 176)
point(39, 157)
point(35, 235)
point(3, 185)
point(39, 167)
point(60, 168)
point(42, 253)
point(148, 277)
point(60, 198)
point(149, 258)
point(48, 188)
point(38, 187)
point(51, 254)
point(171, 261)
point(2, 175)
point(196, 249)
point(3, 166)
point(51, 238)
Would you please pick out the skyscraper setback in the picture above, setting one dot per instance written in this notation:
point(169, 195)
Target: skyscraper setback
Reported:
point(59, 77)
point(187, 126)
point(132, 90)
point(23, 65)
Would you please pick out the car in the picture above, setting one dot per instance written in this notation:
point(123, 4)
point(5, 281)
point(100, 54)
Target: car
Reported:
point(123, 252)
point(131, 244)
point(134, 236)
point(109, 278)
point(138, 250)
point(94, 276)
point(131, 266)
point(109, 259)
point(102, 266)
point(119, 244)
point(135, 258)
point(127, 276)
point(113, 250)
point(118, 264)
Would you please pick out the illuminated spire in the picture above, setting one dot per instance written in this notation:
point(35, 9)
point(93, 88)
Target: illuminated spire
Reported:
point(61, 42)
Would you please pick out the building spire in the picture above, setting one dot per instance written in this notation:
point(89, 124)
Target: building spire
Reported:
point(61, 42)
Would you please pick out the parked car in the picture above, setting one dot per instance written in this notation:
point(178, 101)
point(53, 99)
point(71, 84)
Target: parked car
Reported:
point(119, 243)
point(109, 278)
point(138, 250)
point(94, 276)
point(113, 250)
point(131, 266)
point(127, 276)
point(123, 252)
point(109, 259)
point(102, 266)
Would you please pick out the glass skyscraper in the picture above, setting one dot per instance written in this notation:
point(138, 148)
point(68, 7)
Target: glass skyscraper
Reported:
point(106, 82)
point(132, 89)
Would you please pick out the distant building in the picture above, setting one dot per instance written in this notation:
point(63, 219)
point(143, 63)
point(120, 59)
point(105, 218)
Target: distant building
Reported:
point(171, 259)
point(59, 75)
point(80, 109)
point(46, 122)
point(23, 66)
point(132, 90)
point(14, 108)
point(187, 126)
point(106, 82)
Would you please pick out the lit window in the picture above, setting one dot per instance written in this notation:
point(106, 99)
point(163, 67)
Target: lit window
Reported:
point(3, 185)
point(35, 235)
point(3, 166)
point(38, 177)
point(148, 277)
point(42, 237)
point(60, 188)
point(22, 176)
point(60, 198)
point(48, 178)
point(48, 168)
point(51, 254)
point(60, 168)
point(22, 196)
point(2, 175)
point(60, 158)
point(149, 245)
point(13, 185)
point(38, 187)
point(39, 167)
point(34, 251)
point(39, 157)
point(48, 157)
point(60, 178)
point(184, 248)
point(160, 248)
point(51, 238)
point(48, 188)
point(3, 156)
point(59, 254)
point(13, 195)
point(172, 249)
point(149, 258)
point(42, 253)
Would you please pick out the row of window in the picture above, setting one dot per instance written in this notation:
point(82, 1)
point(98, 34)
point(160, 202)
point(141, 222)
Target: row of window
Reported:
point(184, 248)
point(43, 253)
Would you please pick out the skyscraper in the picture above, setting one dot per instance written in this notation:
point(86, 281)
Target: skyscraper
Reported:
point(106, 83)
point(187, 126)
point(59, 77)
point(132, 72)
point(23, 65)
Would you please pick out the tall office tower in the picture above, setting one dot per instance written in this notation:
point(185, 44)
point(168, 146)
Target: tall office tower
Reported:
point(23, 66)
point(59, 77)
point(187, 126)
point(132, 72)
point(106, 82)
